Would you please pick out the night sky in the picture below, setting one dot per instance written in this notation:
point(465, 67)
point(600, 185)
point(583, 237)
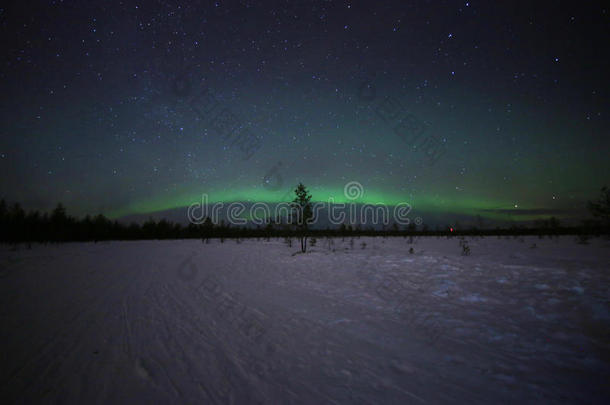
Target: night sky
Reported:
point(497, 109)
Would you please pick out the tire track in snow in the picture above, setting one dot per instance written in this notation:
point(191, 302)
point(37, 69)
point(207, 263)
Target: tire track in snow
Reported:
point(54, 346)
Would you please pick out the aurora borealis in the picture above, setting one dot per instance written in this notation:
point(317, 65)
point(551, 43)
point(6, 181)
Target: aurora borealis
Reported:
point(132, 108)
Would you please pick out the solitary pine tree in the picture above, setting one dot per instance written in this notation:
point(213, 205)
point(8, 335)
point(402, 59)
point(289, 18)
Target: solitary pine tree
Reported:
point(601, 208)
point(301, 206)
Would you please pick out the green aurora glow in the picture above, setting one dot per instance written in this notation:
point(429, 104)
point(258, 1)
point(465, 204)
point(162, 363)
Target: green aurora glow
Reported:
point(452, 204)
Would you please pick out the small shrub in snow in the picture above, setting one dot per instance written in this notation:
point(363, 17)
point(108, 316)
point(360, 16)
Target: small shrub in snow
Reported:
point(313, 242)
point(411, 251)
point(465, 248)
point(583, 239)
point(363, 245)
point(533, 246)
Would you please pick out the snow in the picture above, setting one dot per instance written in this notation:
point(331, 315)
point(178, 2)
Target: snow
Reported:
point(253, 322)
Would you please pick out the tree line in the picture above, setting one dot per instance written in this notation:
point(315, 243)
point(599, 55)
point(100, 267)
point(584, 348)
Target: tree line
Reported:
point(17, 225)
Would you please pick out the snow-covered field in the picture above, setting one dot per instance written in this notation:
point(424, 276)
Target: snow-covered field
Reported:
point(188, 322)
